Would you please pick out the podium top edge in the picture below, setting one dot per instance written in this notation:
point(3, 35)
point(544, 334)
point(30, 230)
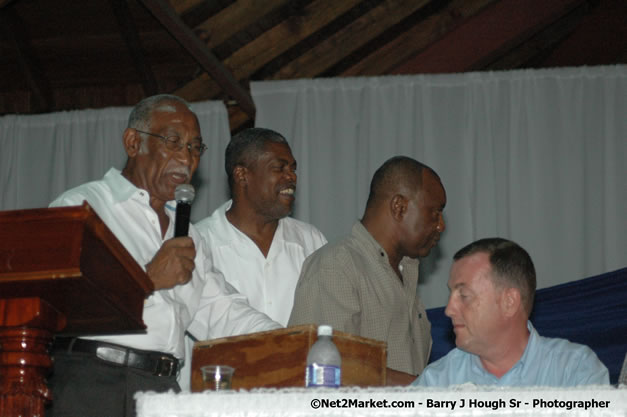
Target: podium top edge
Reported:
point(47, 213)
point(309, 329)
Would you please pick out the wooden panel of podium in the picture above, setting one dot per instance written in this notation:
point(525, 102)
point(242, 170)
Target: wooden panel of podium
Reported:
point(61, 272)
point(278, 358)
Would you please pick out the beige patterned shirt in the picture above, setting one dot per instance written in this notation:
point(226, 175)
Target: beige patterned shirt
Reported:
point(351, 286)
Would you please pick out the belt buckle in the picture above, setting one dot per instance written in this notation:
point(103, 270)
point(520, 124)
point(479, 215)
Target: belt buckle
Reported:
point(166, 366)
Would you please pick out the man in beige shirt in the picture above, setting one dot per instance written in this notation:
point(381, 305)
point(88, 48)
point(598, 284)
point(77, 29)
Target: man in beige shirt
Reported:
point(365, 284)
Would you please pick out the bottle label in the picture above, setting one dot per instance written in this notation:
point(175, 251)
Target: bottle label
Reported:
point(322, 376)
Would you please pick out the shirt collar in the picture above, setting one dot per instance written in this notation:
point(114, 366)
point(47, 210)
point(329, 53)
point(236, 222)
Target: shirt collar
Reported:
point(478, 368)
point(407, 265)
point(531, 345)
point(279, 235)
point(123, 190)
point(361, 233)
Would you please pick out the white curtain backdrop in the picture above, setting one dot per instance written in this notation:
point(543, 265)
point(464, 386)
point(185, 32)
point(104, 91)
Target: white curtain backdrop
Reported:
point(43, 155)
point(536, 156)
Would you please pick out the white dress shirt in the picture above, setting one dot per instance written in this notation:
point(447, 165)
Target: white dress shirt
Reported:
point(206, 306)
point(268, 282)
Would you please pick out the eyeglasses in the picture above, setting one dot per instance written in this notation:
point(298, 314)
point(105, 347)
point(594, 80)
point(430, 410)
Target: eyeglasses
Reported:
point(175, 143)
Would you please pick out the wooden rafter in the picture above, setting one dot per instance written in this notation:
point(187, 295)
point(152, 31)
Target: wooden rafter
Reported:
point(335, 48)
point(234, 18)
point(487, 35)
point(131, 37)
point(541, 43)
point(164, 13)
point(272, 43)
point(11, 24)
point(184, 6)
point(417, 38)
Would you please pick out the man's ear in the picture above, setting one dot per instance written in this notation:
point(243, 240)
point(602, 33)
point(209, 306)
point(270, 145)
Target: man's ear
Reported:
point(398, 206)
point(239, 175)
point(511, 301)
point(132, 142)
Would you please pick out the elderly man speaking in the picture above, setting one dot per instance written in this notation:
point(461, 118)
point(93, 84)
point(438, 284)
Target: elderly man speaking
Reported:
point(101, 374)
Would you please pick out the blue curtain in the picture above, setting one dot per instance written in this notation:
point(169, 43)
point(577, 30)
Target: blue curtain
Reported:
point(591, 311)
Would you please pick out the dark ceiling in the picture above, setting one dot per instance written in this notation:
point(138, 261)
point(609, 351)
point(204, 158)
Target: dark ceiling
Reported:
point(68, 54)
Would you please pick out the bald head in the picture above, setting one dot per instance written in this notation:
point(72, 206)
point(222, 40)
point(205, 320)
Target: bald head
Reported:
point(399, 174)
point(404, 208)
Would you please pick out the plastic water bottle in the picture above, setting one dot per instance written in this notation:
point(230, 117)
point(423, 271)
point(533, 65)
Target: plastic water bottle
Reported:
point(323, 361)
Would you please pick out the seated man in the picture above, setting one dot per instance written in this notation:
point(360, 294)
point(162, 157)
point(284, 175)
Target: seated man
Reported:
point(253, 242)
point(492, 284)
point(366, 283)
point(163, 146)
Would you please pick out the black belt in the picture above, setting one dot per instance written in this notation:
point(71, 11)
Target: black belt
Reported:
point(156, 363)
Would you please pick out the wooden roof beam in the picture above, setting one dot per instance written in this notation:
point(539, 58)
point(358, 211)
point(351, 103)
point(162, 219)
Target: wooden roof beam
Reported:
point(542, 43)
point(164, 13)
point(131, 37)
point(183, 6)
point(487, 36)
point(4, 3)
point(234, 18)
point(274, 42)
point(342, 43)
point(417, 38)
point(11, 24)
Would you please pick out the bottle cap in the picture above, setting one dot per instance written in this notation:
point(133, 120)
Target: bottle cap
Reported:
point(325, 330)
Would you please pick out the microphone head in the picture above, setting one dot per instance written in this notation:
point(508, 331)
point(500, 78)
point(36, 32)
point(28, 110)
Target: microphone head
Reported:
point(184, 193)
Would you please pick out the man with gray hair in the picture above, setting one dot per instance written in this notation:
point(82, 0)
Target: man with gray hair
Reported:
point(253, 242)
point(492, 285)
point(101, 374)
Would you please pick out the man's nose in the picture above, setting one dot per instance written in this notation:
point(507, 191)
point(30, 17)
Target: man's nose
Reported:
point(185, 156)
point(449, 310)
point(441, 223)
point(291, 175)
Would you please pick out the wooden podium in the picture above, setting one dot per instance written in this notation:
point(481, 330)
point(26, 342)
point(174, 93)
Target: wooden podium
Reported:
point(61, 271)
point(277, 358)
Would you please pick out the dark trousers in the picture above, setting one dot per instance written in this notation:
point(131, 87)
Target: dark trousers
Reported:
point(85, 386)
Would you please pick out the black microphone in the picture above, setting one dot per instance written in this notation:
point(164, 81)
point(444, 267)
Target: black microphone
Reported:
point(184, 195)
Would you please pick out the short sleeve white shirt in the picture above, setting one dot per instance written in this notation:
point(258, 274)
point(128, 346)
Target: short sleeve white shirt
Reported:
point(206, 306)
point(268, 282)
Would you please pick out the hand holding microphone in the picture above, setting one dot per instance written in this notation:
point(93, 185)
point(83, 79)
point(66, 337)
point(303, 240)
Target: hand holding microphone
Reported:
point(173, 264)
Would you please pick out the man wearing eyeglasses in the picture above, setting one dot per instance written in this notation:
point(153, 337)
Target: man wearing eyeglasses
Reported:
point(101, 374)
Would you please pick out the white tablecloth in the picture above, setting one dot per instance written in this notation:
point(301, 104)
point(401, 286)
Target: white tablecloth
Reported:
point(463, 400)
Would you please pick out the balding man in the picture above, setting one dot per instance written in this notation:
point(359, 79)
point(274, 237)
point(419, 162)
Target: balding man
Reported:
point(365, 284)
